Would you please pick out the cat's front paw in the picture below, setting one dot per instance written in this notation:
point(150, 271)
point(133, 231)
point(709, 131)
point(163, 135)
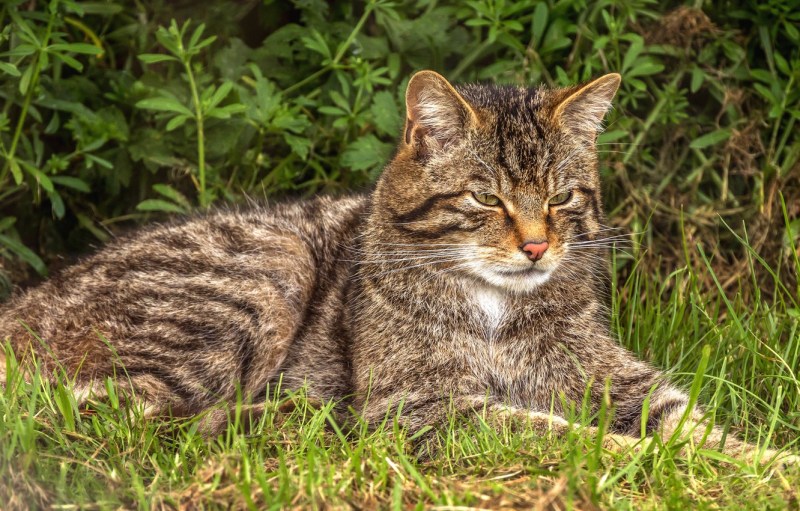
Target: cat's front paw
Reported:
point(783, 460)
point(625, 443)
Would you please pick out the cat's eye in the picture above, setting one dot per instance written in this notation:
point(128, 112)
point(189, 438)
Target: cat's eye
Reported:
point(487, 199)
point(559, 199)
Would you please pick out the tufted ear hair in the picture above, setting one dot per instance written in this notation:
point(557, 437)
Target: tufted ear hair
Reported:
point(582, 111)
point(436, 114)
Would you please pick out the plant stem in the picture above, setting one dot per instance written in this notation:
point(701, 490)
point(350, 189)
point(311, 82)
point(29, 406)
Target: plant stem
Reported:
point(10, 155)
point(469, 59)
point(201, 146)
point(336, 58)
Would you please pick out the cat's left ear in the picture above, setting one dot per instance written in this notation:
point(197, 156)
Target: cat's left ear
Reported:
point(582, 111)
point(436, 114)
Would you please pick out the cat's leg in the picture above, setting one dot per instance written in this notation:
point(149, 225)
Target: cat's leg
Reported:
point(669, 417)
point(415, 413)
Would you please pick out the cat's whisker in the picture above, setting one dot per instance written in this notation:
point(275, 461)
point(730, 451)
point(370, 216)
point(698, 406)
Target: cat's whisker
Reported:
point(575, 272)
point(589, 233)
point(626, 236)
point(465, 245)
point(447, 270)
point(606, 243)
point(585, 251)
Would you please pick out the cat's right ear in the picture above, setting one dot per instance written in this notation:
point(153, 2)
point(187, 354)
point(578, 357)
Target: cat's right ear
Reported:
point(436, 114)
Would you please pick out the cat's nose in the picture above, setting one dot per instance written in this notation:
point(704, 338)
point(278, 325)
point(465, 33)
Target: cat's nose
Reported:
point(534, 249)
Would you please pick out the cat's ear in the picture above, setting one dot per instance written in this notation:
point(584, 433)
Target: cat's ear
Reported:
point(582, 111)
point(436, 114)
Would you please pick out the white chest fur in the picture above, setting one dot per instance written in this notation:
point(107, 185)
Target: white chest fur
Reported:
point(492, 306)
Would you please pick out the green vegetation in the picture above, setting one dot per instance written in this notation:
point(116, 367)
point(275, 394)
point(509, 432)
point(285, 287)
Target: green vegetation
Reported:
point(113, 114)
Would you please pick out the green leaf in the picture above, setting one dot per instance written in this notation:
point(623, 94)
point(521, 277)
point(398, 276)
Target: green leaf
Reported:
point(83, 48)
point(7, 222)
point(16, 171)
point(385, 113)
point(645, 66)
point(56, 204)
point(332, 110)
point(72, 182)
point(88, 224)
point(39, 176)
point(225, 112)
point(636, 47)
point(25, 81)
point(65, 402)
point(173, 194)
point(301, 146)
point(71, 62)
point(160, 205)
point(202, 44)
point(715, 137)
point(366, 153)
point(102, 8)
point(198, 33)
point(100, 161)
point(23, 25)
point(698, 77)
point(21, 50)
point(24, 253)
point(164, 104)
point(176, 122)
point(152, 58)
point(219, 94)
point(168, 41)
point(611, 136)
point(317, 44)
point(9, 69)
point(540, 15)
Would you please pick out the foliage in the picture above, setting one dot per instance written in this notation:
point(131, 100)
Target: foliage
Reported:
point(112, 110)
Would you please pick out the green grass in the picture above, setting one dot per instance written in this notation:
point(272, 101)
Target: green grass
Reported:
point(52, 454)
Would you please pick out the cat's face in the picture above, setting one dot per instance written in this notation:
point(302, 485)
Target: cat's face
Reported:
point(497, 183)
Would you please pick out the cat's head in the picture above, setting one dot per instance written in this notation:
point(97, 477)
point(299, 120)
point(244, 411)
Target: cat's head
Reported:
point(496, 182)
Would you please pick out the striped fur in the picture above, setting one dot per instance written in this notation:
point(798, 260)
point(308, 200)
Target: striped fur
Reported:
point(416, 294)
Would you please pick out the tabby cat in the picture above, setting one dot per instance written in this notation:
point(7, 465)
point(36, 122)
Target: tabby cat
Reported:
point(474, 276)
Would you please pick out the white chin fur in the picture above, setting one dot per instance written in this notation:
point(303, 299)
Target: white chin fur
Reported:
point(518, 284)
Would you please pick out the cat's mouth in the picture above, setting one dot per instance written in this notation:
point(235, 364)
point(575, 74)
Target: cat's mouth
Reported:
point(521, 272)
point(515, 278)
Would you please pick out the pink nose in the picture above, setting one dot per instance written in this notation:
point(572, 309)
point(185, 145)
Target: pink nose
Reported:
point(534, 249)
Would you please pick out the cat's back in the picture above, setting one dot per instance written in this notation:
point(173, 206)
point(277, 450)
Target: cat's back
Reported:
point(170, 293)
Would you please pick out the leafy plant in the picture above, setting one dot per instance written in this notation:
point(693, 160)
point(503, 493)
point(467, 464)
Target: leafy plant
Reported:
point(104, 109)
point(203, 105)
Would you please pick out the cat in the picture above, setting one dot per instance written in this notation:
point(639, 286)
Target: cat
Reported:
point(472, 279)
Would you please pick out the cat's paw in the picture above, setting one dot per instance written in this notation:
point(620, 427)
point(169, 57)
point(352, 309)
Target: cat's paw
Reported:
point(625, 443)
point(771, 458)
point(782, 460)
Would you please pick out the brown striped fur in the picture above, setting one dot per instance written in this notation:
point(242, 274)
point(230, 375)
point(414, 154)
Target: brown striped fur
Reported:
point(416, 294)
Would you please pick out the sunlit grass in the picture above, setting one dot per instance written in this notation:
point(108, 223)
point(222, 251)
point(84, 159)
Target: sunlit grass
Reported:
point(301, 456)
